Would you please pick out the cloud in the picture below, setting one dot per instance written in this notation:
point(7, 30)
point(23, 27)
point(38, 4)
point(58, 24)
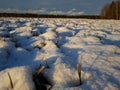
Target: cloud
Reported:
point(88, 6)
point(43, 11)
point(74, 12)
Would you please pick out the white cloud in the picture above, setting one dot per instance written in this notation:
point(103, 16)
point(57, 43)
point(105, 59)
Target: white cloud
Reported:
point(74, 12)
point(43, 11)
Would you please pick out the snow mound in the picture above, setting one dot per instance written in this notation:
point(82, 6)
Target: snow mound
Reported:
point(63, 31)
point(21, 32)
point(20, 78)
point(63, 76)
point(35, 32)
point(49, 35)
point(91, 39)
point(5, 49)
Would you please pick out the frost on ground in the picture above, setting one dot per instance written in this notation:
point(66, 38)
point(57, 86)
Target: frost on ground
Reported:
point(62, 44)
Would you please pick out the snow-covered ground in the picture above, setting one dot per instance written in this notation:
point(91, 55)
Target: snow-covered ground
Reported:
point(62, 43)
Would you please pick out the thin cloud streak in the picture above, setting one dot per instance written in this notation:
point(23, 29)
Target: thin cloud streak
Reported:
point(43, 11)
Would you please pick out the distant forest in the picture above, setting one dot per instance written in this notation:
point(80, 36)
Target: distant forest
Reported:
point(30, 15)
point(109, 11)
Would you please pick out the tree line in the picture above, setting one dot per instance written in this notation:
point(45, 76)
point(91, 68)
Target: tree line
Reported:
point(111, 11)
point(30, 15)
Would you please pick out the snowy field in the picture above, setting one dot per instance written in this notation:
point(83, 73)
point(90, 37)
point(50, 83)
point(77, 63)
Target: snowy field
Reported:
point(25, 44)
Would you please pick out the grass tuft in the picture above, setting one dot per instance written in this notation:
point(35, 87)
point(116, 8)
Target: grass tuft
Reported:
point(11, 83)
point(41, 82)
point(79, 73)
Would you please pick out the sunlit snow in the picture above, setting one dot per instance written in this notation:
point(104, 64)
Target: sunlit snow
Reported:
point(25, 43)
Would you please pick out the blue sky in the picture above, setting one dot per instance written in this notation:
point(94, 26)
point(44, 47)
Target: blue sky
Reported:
point(85, 6)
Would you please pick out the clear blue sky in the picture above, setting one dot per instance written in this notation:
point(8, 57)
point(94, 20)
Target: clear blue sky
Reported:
point(86, 6)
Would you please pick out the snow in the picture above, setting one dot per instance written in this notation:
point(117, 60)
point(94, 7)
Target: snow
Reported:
point(25, 43)
point(19, 75)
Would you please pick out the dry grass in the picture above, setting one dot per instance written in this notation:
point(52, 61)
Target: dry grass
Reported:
point(11, 82)
point(79, 72)
point(41, 82)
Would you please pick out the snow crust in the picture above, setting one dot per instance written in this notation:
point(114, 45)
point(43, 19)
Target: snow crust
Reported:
point(25, 43)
